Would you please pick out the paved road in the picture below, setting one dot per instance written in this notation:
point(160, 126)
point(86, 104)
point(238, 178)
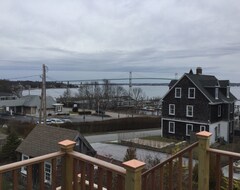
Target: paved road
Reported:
point(122, 135)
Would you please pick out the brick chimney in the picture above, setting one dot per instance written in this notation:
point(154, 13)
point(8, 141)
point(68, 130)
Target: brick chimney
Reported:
point(199, 70)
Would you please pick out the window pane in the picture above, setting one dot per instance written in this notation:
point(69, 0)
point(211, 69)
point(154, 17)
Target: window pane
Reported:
point(47, 172)
point(191, 93)
point(189, 128)
point(171, 127)
point(171, 109)
point(177, 92)
point(189, 111)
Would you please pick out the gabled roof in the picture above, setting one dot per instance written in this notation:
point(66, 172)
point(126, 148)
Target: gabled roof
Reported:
point(28, 101)
point(205, 82)
point(172, 83)
point(44, 139)
point(224, 83)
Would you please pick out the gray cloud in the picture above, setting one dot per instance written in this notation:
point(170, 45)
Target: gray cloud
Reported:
point(118, 36)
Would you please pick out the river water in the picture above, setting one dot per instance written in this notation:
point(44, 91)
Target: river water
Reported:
point(150, 91)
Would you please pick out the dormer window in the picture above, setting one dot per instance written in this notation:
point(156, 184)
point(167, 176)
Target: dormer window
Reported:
point(191, 93)
point(228, 91)
point(178, 92)
point(216, 93)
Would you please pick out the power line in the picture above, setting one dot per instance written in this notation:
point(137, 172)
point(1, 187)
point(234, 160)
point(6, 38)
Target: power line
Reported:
point(113, 79)
point(23, 77)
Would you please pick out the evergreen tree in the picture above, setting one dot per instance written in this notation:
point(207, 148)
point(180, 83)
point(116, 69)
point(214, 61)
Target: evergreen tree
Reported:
point(130, 154)
point(8, 150)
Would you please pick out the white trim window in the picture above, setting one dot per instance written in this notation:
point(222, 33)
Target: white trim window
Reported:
point(189, 111)
point(24, 168)
point(219, 110)
point(189, 129)
point(47, 172)
point(202, 128)
point(178, 92)
point(171, 109)
point(191, 93)
point(171, 127)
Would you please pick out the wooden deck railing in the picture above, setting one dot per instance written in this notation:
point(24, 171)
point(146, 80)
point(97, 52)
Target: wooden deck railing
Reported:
point(94, 173)
point(75, 171)
point(11, 176)
point(170, 173)
point(231, 157)
point(79, 171)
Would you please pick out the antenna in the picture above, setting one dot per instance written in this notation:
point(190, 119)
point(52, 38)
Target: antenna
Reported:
point(176, 75)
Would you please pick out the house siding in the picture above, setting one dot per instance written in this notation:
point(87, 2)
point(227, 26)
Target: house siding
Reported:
point(205, 107)
point(180, 129)
point(224, 131)
point(199, 104)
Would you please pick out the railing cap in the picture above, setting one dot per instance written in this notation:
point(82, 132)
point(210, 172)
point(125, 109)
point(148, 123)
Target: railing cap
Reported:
point(204, 134)
point(134, 164)
point(67, 144)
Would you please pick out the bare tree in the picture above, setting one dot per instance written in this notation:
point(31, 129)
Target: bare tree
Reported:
point(86, 93)
point(138, 95)
point(65, 98)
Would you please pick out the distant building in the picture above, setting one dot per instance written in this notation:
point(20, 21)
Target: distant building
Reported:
point(29, 105)
point(7, 96)
point(198, 102)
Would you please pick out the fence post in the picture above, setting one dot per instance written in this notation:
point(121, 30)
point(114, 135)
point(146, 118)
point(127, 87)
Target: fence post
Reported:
point(133, 180)
point(203, 159)
point(67, 165)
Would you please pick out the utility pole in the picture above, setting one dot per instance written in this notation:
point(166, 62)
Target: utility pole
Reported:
point(130, 83)
point(43, 106)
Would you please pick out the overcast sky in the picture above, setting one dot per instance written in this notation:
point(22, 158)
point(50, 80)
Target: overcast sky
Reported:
point(86, 38)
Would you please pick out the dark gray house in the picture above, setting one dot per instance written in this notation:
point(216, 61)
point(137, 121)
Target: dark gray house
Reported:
point(198, 102)
point(44, 140)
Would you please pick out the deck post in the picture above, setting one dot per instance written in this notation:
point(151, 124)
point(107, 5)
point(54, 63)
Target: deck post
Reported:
point(133, 180)
point(203, 159)
point(67, 170)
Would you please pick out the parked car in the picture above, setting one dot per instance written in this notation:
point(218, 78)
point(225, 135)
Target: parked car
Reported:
point(48, 121)
point(56, 121)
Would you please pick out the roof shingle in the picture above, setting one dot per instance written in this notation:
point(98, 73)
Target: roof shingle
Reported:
point(44, 140)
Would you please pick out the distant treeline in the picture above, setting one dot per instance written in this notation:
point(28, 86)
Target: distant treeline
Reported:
point(11, 86)
point(234, 84)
